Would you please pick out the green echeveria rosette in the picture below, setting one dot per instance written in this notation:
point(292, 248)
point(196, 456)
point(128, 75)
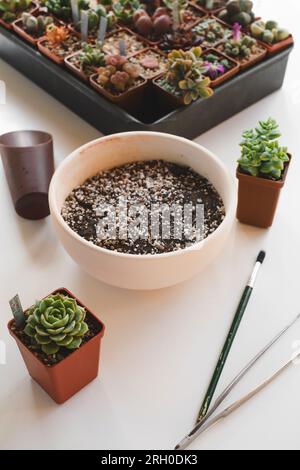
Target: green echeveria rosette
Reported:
point(56, 322)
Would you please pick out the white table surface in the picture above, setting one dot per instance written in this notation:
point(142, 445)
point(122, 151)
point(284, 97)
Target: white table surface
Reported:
point(160, 347)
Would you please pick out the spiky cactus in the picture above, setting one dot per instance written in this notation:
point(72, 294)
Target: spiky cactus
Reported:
point(56, 322)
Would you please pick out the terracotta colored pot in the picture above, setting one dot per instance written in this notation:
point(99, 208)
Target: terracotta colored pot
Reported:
point(149, 49)
point(227, 75)
point(18, 28)
point(33, 8)
point(249, 63)
point(167, 101)
point(63, 380)
point(131, 100)
point(275, 48)
point(258, 198)
point(77, 71)
point(48, 53)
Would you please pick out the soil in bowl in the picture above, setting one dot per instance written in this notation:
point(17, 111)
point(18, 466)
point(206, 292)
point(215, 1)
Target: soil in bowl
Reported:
point(144, 189)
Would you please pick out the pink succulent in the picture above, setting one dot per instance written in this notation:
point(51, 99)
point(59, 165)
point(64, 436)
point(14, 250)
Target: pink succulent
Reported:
point(237, 34)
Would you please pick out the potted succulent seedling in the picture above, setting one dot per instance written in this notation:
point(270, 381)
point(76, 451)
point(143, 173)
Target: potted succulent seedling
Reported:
point(238, 11)
point(272, 35)
point(60, 343)
point(211, 32)
point(161, 21)
point(58, 43)
point(125, 9)
point(32, 26)
point(243, 48)
point(151, 62)
point(11, 10)
point(120, 81)
point(184, 80)
point(62, 9)
point(212, 6)
point(219, 67)
point(262, 172)
point(94, 17)
point(131, 43)
point(85, 62)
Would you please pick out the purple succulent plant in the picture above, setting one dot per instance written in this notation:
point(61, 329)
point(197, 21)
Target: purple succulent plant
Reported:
point(214, 70)
point(237, 33)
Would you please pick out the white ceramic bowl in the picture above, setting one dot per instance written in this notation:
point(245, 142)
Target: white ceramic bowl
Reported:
point(140, 271)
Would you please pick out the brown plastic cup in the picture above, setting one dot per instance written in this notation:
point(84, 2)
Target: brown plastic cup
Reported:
point(28, 162)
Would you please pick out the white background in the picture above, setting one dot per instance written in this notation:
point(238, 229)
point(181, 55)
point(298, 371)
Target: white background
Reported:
point(161, 347)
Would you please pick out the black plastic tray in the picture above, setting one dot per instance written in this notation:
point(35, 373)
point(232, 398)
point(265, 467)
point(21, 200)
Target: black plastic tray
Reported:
point(190, 121)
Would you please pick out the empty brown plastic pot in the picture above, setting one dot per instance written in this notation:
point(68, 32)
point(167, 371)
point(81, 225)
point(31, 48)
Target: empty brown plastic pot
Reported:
point(258, 198)
point(28, 162)
point(67, 377)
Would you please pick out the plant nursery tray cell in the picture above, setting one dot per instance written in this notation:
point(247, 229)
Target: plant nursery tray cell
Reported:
point(190, 121)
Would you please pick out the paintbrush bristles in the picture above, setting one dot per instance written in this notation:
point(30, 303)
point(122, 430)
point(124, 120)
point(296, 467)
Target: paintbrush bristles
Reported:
point(261, 257)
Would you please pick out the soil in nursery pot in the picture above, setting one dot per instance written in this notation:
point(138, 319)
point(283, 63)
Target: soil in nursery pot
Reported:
point(143, 184)
point(67, 47)
point(132, 43)
point(258, 52)
point(94, 329)
point(151, 63)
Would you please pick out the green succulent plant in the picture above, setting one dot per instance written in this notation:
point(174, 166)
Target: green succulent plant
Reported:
point(124, 9)
point(269, 32)
point(94, 17)
point(92, 56)
point(55, 322)
point(238, 11)
point(261, 153)
point(240, 48)
point(62, 8)
point(185, 77)
point(9, 9)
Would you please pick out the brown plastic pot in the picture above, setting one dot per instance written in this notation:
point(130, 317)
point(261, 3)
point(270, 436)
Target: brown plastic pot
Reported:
point(27, 158)
point(167, 101)
point(227, 75)
point(258, 198)
point(48, 53)
point(143, 51)
point(34, 7)
point(77, 71)
point(275, 48)
point(18, 28)
point(62, 380)
point(249, 63)
point(131, 100)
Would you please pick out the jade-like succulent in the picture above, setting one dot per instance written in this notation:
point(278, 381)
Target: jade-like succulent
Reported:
point(56, 322)
point(92, 56)
point(9, 9)
point(35, 25)
point(62, 8)
point(238, 11)
point(124, 9)
point(185, 75)
point(261, 153)
point(268, 32)
point(118, 75)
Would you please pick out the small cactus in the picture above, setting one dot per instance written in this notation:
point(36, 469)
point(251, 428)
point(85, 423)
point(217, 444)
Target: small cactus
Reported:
point(10, 9)
point(92, 56)
point(242, 48)
point(56, 322)
point(268, 32)
point(62, 8)
point(36, 25)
